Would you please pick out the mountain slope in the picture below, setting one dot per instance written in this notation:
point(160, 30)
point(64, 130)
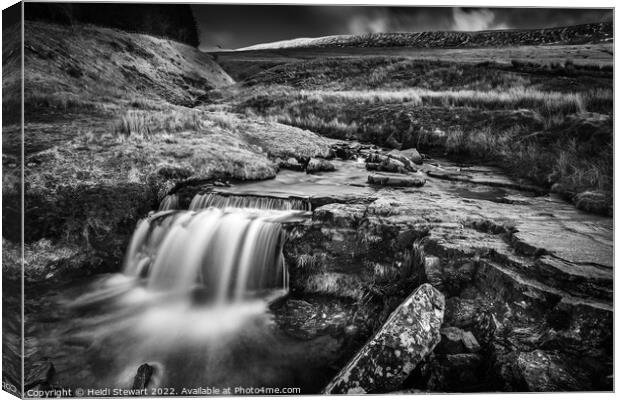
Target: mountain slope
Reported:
point(579, 34)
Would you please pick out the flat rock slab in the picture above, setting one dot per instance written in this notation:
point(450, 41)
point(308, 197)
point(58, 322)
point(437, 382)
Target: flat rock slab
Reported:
point(396, 181)
point(479, 179)
point(406, 338)
point(576, 241)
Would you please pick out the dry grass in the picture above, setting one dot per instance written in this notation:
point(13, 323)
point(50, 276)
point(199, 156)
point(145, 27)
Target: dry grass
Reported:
point(224, 120)
point(546, 103)
point(578, 173)
point(144, 124)
point(523, 129)
point(315, 123)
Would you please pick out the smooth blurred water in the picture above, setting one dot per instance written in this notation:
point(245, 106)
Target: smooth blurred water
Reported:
point(192, 301)
point(100, 332)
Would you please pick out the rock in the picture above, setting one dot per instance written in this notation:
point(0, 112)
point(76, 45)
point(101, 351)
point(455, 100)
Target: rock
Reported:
point(345, 150)
point(456, 341)
point(388, 165)
point(595, 202)
point(319, 165)
point(412, 155)
point(292, 164)
point(404, 340)
point(396, 181)
point(398, 155)
point(375, 157)
point(460, 312)
point(382, 207)
point(541, 371)
point(340, 215)
point(143, 376)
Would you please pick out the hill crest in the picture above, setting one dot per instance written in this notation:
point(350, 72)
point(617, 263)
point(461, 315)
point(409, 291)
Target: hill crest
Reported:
point(570, 35)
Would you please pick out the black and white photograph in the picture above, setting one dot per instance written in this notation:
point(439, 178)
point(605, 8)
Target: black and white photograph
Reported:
point(226, 199)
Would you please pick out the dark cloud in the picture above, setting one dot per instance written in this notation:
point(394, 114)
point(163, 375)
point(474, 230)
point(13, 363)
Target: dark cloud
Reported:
point(235, 26)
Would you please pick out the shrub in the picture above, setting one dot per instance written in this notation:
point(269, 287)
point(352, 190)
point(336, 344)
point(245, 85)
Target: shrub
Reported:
point(143, 124)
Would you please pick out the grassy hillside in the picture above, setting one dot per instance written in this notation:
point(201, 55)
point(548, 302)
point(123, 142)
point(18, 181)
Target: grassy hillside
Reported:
point(80, 66)
point(85, 72)
point(244, 64)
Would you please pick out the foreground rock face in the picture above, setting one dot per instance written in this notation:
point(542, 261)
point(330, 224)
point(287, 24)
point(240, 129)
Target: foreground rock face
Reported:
point(528, 280)
point(411, 333)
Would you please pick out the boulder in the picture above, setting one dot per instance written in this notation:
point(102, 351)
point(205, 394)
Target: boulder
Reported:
point(396, 181)
point(411, 155)
point(456, 341)
point(388, 164)
point(405, 339)
point(291, 163)
point(319, 165)
point(143, 376)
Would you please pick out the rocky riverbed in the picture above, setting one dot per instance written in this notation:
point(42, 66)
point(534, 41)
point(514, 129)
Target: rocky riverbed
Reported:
point(527, 278)
point(524, 279)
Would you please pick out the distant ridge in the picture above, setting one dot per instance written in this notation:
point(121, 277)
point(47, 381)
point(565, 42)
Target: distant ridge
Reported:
point(577, 34)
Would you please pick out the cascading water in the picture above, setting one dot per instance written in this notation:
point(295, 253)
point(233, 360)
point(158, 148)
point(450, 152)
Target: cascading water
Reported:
point(227, 253)
point(258, 202)
point(194, 299)
point(170, 202)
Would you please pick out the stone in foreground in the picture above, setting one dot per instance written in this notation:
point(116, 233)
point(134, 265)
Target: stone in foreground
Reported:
point(406, 338)
point(143, 376)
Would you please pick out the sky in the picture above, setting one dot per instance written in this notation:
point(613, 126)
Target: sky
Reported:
point(236, 26)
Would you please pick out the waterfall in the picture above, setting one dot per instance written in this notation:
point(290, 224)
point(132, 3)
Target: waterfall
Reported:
point(219, 200)
point(228, 254)
point(170, 202)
